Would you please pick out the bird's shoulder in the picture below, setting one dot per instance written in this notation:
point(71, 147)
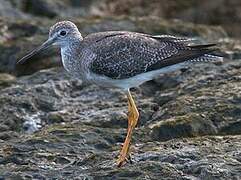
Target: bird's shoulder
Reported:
point(113, 37)
point(97, 38)
point(112, 43)
point(128, 35)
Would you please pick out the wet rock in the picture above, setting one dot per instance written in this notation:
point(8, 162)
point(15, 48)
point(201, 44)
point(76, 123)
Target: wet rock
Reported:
point(166, 81)
point(22, 29)
point(189, 125)
point(232, 127)
point(52, 125)
point(8, 11)
point(225, 13)
point(116, 119)
point(202, 102)
point(50, 9)
point(67, 151)
point(79, 128)
point(16, 36)
point(49, 99)
point(6, 134)
point(32, 123)
point(55, 117)
point(210, 99)
point(41, 7)
point(6, 80)
point(164, 98)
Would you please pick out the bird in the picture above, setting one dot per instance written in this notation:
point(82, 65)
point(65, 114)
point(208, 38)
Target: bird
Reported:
point(122, 59)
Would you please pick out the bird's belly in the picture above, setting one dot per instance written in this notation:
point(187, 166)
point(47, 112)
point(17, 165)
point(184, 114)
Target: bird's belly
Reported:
point(96, 79)
point(132, 81)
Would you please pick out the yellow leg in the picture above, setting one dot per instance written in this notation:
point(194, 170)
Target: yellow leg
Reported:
point(133, 116)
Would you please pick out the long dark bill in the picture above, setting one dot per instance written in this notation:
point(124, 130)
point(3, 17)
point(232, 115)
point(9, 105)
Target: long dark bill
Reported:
point(39, 49)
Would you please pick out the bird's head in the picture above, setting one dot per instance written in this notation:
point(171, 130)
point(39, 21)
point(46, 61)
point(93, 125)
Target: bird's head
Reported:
point(60, 34)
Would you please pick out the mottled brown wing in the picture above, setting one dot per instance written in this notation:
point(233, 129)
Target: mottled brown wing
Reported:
point(126, 55)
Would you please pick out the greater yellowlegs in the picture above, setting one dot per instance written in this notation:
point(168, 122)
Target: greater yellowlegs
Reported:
point(121, 59)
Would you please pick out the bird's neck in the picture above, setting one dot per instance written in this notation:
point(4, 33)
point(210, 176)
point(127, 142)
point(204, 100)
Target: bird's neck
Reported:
point(74, 41)
point(71, 46)
point(70, 55)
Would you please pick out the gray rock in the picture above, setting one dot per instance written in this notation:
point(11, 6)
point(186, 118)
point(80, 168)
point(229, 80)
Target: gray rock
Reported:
point(54, 126)
point(41, 7)
point(77, 151)
point(221, 12)
point(32, 123)
point(6, 80)
point(8, 11)
point(80, 127)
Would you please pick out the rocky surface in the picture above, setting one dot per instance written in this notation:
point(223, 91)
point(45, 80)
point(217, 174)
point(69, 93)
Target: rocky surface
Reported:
point(68, 152)
point(189, 126)
point(55, 127)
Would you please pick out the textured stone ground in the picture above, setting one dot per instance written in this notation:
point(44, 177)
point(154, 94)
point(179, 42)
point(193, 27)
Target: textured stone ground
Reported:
point(79, 128)
point(54, 126)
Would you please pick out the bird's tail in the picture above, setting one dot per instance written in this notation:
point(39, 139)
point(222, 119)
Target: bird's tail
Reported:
point(208, 51)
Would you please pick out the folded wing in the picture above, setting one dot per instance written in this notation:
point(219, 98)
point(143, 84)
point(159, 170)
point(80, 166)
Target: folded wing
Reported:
point(124, 55)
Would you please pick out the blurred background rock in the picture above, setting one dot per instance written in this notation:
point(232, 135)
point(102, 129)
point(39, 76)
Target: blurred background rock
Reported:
point(52, 125)
point(219, 12)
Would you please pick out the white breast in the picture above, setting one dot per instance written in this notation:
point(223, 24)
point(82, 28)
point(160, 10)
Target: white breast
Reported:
point(65, 56)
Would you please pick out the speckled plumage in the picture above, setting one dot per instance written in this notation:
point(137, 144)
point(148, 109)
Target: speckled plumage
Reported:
point(121, 55)
point(62, 25)
point(121, 58)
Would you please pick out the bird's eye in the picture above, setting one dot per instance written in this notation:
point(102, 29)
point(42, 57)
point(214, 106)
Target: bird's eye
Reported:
point(62, 33)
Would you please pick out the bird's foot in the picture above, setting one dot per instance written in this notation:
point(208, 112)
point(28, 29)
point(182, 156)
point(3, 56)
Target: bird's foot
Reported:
point(124, 154)
point(123, 160)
